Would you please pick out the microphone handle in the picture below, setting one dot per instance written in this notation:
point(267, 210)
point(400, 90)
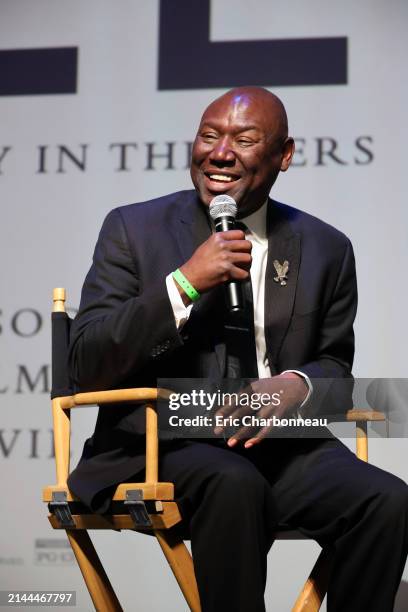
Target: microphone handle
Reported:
point(233, 288)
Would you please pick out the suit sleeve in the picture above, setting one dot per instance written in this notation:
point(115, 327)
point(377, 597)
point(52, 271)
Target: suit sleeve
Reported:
point(121, 326)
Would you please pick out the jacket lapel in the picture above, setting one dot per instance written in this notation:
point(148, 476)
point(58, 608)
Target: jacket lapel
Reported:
point(283, 244)
point(193, 228)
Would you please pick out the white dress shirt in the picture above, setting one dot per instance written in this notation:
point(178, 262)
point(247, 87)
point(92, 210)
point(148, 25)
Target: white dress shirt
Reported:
point(256, 234)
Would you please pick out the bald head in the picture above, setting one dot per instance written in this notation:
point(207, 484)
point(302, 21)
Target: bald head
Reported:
point(269, 105)
point(241, 146)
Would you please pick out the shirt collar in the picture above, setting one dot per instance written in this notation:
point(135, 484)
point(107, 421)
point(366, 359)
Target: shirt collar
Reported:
point(256, 222)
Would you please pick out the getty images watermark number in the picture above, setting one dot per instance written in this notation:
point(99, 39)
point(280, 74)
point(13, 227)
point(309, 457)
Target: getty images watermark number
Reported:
point(37, 598)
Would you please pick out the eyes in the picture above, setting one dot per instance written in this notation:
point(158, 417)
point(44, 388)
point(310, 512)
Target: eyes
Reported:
point(213, 137)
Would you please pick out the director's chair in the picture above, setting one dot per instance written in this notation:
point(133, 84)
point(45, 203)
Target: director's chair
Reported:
point(141, 506)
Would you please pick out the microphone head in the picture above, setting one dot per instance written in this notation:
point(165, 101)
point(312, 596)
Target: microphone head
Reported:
point(223, 206)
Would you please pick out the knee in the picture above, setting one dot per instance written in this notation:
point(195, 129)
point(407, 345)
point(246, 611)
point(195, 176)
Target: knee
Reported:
point(393, 498)
point(240, 481)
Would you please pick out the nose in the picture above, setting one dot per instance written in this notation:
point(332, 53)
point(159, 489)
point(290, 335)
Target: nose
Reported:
point(223, 152)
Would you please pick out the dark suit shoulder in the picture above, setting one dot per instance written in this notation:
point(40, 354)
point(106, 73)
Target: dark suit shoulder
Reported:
point(167, 205)
point(311, 227)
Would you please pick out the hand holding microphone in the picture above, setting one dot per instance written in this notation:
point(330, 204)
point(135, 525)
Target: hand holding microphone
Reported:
point(223, 210)
point(224, 258)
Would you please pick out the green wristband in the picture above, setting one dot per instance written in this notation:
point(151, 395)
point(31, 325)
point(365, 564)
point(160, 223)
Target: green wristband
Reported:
point(185, 285)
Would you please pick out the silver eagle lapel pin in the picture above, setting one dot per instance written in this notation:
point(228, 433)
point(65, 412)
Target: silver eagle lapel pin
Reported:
point(281, 271)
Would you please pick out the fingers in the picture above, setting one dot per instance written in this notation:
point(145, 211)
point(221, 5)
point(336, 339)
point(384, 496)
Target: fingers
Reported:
point(230, 415)
point(234, 266)
point(235, 240)
point(250, 436)
point(241, 265)
point(261, 435)
point(239, 246)
point(245, 433)
point(223, 257)
point(222, 414)
point(237, 254)
point(233, 408)
point(235, 234)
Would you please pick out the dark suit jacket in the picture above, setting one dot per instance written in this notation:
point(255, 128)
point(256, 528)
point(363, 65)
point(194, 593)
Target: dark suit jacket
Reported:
point(125, 334)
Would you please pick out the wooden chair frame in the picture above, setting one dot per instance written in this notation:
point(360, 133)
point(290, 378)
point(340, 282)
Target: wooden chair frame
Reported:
point(149, 502)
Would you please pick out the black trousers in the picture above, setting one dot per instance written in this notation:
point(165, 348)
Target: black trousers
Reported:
point(233, 500)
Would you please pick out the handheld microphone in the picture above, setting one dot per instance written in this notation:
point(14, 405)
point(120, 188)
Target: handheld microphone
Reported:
point(223, 210)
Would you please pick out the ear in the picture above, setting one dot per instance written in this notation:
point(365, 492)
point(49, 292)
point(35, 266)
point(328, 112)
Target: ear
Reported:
point(288, 150)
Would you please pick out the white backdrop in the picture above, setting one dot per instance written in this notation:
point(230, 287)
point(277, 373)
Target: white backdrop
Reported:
point(51, 218)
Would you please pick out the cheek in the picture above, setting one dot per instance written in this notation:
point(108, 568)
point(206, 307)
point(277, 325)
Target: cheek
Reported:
point(253, 163)
point(196, 161)
point(195, 151)
point(255, 171)
point(199, 152)
point(266, 168)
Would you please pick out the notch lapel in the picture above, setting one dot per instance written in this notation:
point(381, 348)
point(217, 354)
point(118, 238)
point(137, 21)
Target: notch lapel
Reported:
point(193, 228)
point(283, 244)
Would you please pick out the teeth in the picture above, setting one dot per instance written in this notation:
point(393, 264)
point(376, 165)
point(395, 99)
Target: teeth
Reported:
point(221, 177)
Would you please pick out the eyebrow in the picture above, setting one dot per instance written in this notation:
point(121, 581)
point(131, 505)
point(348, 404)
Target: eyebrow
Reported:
point(238, 130)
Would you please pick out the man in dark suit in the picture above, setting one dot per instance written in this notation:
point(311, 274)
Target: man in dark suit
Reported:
point(138, 322)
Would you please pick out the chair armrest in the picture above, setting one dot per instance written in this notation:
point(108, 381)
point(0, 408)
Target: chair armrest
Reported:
point(61, 407)
point(116, 396)
point(356, 415)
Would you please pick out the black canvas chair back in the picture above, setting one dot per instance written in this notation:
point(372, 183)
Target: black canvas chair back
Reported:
point(60, 330)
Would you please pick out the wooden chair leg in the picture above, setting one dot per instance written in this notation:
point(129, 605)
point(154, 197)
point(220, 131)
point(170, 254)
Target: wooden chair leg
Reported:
point(99, 586)
point(181, 564)
point(361, 440)
point(315, 588)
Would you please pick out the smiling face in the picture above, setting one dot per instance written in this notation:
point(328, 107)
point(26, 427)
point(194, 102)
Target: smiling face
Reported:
point(240, 148)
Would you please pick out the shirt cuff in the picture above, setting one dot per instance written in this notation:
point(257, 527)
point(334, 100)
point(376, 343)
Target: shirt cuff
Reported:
point(180, 311)
point(307, 381)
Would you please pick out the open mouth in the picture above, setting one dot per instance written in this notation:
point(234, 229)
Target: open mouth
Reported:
point(219, 177)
